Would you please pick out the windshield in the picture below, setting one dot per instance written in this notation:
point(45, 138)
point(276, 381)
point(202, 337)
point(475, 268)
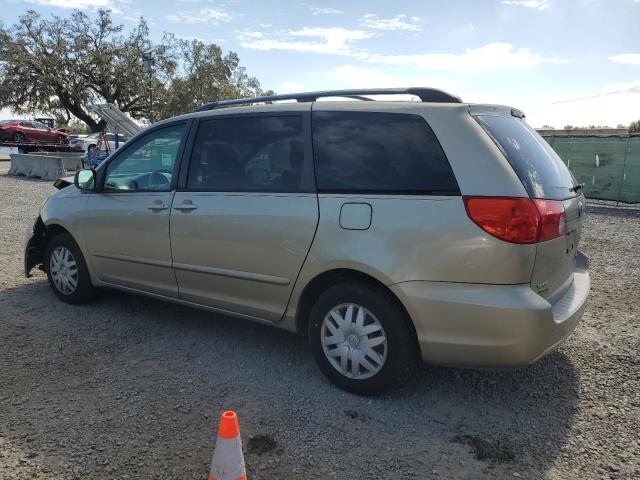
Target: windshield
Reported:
point(540, 169)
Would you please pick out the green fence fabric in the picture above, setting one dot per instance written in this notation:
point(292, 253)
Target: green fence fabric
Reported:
point(609, 167)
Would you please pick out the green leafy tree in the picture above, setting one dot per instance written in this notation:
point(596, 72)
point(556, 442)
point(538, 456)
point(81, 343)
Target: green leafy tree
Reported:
point(62, 65)
point(634, 127)
point(204, 74)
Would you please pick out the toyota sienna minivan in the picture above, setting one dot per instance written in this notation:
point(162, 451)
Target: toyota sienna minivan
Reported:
point(385, 231)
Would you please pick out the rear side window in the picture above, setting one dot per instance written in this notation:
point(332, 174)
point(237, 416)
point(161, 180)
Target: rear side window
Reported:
point(539, 168)
point(252, 154)
point(371, 152)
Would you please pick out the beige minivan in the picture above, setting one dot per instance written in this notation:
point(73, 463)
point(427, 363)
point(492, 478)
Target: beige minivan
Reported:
point(384, 231)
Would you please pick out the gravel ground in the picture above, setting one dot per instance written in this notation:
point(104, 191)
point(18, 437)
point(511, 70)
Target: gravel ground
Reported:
point(129, 387)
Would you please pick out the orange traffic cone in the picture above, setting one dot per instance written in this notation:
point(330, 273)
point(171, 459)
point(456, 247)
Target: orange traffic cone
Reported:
point(228, 461)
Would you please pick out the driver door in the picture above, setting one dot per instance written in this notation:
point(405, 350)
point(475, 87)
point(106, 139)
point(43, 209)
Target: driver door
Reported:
point(43, 132)
point(126, 225)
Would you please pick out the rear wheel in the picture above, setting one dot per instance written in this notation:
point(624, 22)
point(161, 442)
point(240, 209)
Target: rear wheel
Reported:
point(67, 271)
point(18, 137)
point(361, 340)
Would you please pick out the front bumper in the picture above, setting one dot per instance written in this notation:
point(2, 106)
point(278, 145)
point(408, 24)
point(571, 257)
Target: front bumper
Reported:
point(34, 249)
point(478, 325)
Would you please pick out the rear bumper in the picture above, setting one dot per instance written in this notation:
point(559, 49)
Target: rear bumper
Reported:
point(479, 325)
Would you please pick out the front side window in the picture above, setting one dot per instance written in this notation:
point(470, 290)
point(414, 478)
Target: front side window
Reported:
point(252, 154)
point(149, 164)
point(387, 153)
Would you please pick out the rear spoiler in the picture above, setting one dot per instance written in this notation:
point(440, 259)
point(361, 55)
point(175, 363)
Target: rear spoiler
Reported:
point(480, 109)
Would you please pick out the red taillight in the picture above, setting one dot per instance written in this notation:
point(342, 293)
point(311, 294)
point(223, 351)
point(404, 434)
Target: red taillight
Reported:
point(553, 220)
point(517, 220)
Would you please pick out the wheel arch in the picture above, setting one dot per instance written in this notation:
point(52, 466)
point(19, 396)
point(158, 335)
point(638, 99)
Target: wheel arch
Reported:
point(37, 245)
point(321, 282)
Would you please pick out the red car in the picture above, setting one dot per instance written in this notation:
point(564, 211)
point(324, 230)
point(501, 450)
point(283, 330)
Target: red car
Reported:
point(21, 131)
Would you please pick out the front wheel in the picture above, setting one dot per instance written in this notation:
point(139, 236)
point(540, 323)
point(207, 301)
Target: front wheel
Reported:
point(361, 339)
point(67, 271)
point(61, 139)
point(18, 137)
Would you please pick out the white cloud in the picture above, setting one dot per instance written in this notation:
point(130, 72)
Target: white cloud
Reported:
point(72, 3)
point(399, 22)
point(290, 87)
point(493, 56)
point(603, 110)
point(616, 103)
point(334, 41)
point(339, 41)
point(325, 11)
point(535, 4)
point(354, 76)
point(622, 87)
point(205, 15)
point(630, 58)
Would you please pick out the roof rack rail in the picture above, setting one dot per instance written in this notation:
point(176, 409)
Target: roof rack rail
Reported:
point(425, 95)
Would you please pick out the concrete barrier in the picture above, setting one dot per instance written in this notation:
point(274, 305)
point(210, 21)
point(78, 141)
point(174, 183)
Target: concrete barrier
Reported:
point(70, 160)
point(6, 151)
point(38, 166)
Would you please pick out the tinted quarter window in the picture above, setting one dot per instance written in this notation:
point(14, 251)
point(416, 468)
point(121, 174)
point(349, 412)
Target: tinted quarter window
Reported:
point(254, 154)
point(379, 153)
point(539, 168)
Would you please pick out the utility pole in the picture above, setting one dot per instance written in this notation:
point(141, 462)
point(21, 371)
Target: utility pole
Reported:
point(147, 59)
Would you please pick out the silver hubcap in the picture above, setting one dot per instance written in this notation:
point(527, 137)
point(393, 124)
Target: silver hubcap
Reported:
point(64, 271)
point(353, 341)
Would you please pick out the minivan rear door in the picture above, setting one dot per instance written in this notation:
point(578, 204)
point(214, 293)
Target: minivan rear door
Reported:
point(244, 218)
point(544, 176)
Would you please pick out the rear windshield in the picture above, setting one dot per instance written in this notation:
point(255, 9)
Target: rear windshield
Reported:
point(539, 168)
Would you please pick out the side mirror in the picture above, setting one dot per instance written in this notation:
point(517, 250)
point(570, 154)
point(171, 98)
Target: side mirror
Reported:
point(85, 179)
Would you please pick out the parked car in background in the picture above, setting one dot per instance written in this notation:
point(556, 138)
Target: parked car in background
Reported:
point(29, 131)
point(384, 231)
point(88, 143)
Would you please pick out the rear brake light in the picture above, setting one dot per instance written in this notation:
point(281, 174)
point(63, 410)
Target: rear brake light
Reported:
point(518, 220)
point(553, 219)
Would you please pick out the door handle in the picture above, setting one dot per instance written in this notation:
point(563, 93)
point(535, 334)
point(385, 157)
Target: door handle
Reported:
point(158, 206)
point(185, 207)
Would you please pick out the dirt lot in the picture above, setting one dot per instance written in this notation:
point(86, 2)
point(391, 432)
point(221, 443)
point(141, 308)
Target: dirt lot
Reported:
point(129, 387)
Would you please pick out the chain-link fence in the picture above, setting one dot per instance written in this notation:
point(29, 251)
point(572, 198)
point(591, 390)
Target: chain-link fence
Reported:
point(609, 167)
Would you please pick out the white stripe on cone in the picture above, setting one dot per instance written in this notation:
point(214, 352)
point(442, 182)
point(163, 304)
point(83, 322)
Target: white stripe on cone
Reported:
point(228, 461)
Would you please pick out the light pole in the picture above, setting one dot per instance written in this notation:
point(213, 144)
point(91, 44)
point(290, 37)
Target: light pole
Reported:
point(147, 59)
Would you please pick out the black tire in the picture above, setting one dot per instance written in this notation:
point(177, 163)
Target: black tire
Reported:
point(19, 137)
point(61, 140)
point(84, 290)
point(401, 345)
